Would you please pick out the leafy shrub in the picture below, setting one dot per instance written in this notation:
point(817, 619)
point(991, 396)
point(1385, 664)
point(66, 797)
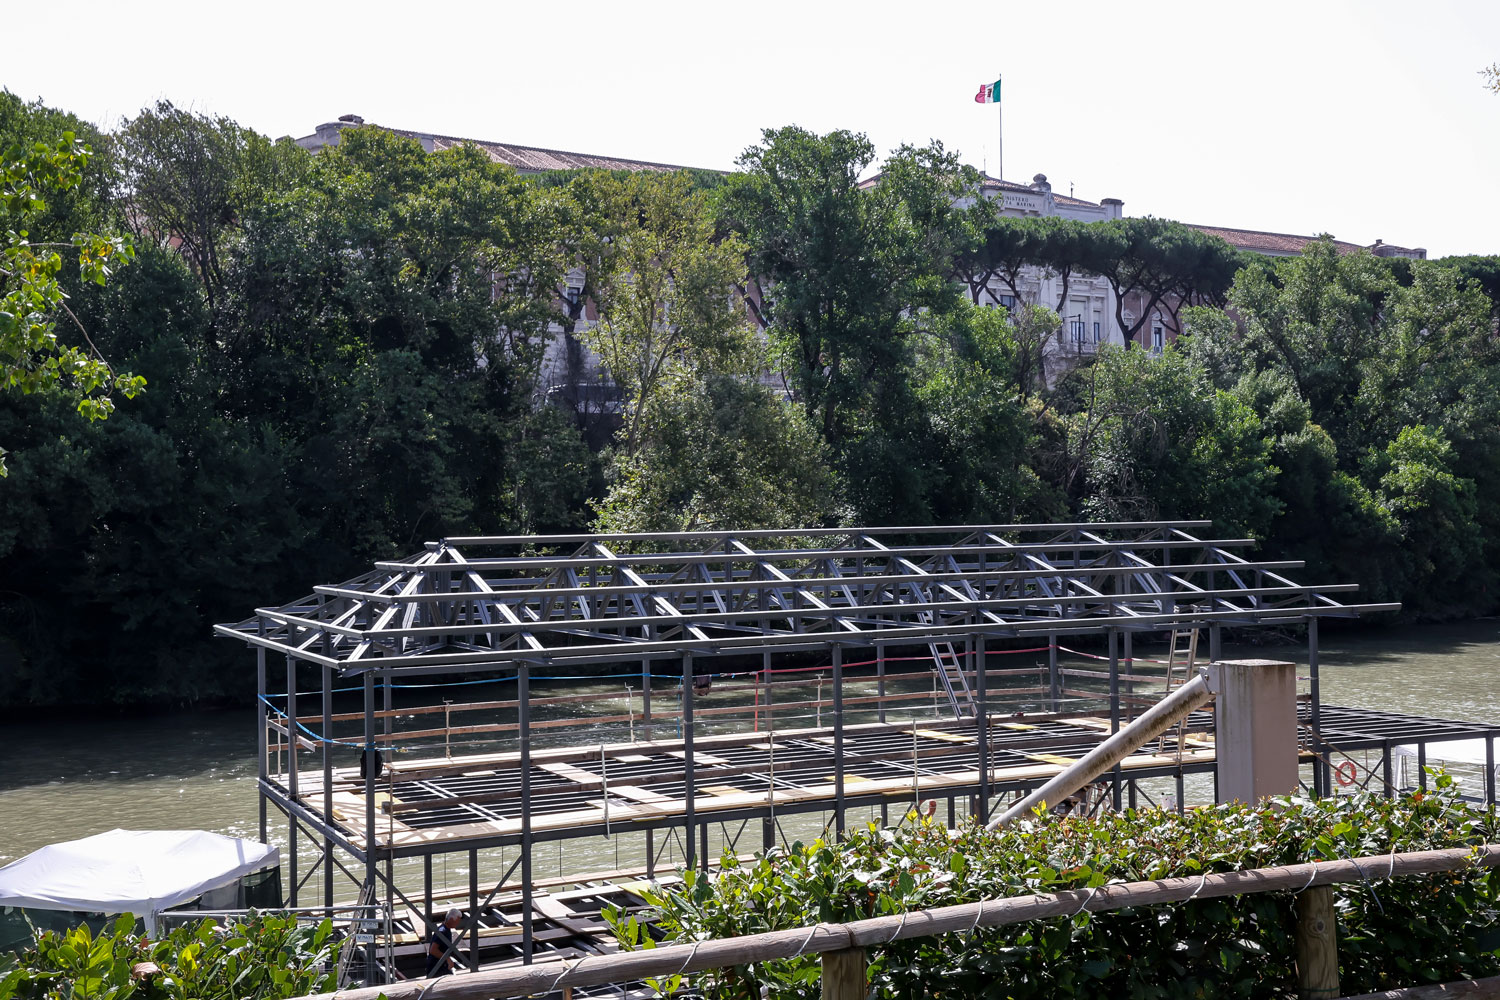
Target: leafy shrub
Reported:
point(1391, 933)
point(264, 957)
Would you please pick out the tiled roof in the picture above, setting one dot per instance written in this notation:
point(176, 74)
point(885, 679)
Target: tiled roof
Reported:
point(995, 183)
point(1272, 243)
point(535, 157)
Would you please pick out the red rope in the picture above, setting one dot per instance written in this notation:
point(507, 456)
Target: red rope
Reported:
point(1118, 659)
point(897, 659)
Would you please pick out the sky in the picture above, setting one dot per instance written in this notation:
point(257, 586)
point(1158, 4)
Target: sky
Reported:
point(1367, 120)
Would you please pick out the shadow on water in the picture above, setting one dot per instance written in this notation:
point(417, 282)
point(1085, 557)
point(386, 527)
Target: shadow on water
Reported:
point(127, 750)
point(1393, 644)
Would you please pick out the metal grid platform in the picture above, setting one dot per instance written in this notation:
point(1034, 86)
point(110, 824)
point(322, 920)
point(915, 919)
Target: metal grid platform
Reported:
point(630, 787)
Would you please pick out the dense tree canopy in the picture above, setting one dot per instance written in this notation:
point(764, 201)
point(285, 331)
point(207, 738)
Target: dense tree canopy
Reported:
point(47, 191)
point(345, 354)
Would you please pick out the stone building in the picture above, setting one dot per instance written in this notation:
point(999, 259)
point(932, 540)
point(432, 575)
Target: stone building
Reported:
point(572, 378)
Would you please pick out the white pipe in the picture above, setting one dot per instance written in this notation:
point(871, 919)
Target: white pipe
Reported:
point(1156, 720)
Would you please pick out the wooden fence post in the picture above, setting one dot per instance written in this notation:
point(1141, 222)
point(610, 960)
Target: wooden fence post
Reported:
point(1317, 945)
point(844, 974)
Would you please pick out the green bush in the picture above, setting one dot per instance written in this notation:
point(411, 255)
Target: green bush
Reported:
point(264, 957)
point(1391, 933)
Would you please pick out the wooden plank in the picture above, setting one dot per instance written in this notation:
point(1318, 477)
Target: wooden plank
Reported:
point(1053, 758)
point(1317, 944)
point(1471, 989)
point(635, 794)
point(843, 974)
point(558, 912)
point(572, 773)
point(722, 790)
point(699, 759)
point(933, 734)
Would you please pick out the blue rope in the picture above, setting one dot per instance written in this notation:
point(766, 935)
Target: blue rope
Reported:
point(325, 739)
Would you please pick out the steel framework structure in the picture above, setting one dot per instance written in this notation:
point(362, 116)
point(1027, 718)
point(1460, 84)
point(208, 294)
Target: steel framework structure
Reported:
point(486, 602)
point(503, 605)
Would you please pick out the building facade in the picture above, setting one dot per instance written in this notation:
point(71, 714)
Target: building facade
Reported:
point(573, 378)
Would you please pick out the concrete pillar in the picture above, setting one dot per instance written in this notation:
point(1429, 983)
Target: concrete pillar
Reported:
point(1255, 722)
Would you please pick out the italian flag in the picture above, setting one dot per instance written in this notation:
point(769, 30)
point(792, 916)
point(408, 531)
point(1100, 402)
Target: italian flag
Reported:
point(989, 93)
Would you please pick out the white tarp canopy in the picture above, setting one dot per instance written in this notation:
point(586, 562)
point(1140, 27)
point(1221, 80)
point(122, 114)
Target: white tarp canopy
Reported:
point(130, 871)
point(1465, 751)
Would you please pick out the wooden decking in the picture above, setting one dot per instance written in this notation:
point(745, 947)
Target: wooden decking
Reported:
point(624, 787)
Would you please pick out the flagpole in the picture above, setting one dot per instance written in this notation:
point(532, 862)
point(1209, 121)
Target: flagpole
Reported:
point(999, 138)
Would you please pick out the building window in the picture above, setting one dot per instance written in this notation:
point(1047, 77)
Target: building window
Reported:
point(572, 293)
point(1096, 331)
point(1078, 328)
point(1156, 340)
point(1008, 301)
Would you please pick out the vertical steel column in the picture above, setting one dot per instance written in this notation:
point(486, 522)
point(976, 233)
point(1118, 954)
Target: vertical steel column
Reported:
point(327, 782)
point(1489, 771)
point(1321, 776)
point(838, 741)
point(367, 755)
point(1053, 679)
point(427, 892)
point(1215, 643)
point(690, 792)
point(1130, 685)
point(1422, 766)
point(885, 809)
point(473, 909)
point(523, 729)
point(389, 728)
point(982, 730)
point(385, 683)
point(767, 678)
point(262, 716)
point(646, 697)
point(291, 776)
point(646, 733)
point(1114, 707)
point(1388, 771)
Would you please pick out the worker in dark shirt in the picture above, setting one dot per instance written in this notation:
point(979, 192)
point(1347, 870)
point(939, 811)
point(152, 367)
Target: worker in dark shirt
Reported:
point(440, 957)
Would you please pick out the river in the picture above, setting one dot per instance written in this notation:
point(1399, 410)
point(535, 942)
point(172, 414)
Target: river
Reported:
point(66, 779)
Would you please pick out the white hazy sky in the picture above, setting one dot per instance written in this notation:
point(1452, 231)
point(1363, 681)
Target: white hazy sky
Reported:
point(1363, 119)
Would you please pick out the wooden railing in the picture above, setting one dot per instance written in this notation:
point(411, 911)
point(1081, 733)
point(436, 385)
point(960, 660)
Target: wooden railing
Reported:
point(843, 946)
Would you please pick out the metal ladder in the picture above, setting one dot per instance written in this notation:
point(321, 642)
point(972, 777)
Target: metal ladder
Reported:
point(356, 921)
point(949, 668)
point(1181, 658)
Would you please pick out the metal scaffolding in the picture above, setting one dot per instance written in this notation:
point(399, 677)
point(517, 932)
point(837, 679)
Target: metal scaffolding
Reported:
point(502, 606)
point(485, 602)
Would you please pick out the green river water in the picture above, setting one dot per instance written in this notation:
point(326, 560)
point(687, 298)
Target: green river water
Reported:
point(61, 780)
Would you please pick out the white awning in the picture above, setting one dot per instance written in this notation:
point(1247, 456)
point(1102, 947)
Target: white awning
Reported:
point(1462, 751)
point(130, 871)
